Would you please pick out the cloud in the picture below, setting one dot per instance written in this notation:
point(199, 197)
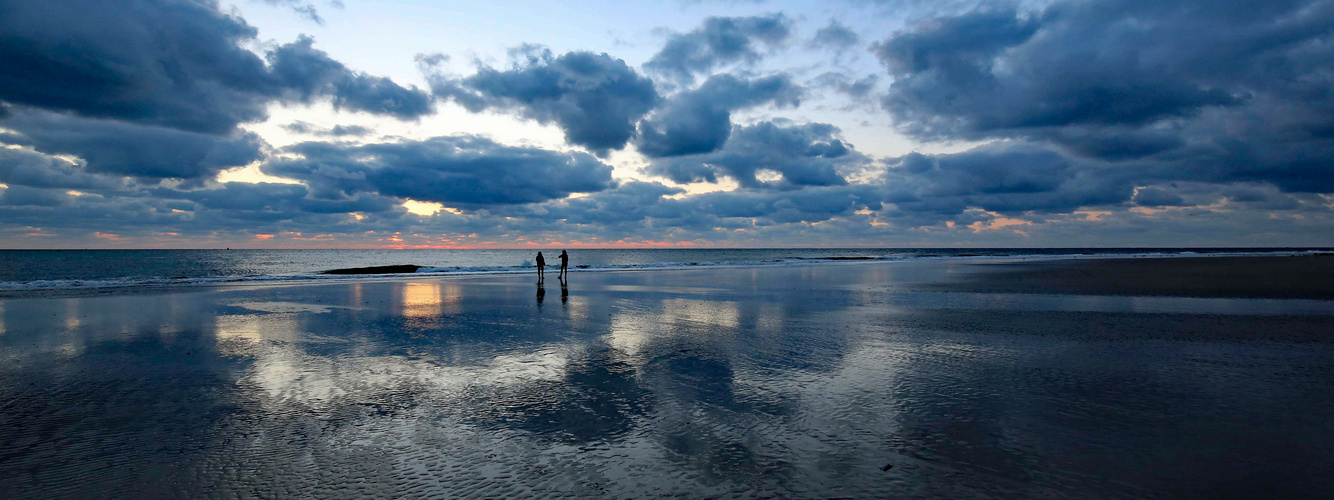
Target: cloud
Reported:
point(947, 77)
point(718, 41)
point(812, 204)
point(1003, 177)
point(1158, 197)
point(803, 155)
point(170, 63)
point(631, 201)
point(304, 9)
point(306, 73)
point(23, 167)
point(700, 120)
point(859, 89)
point(1183, 90)
point(135, 150)
point(649, 208)
point(255, 200)
point(27, 196)
point(159, 62)
point(835, 36)
point(300, 127)
point(459, 171)
point(115, 147)
point(594, 98)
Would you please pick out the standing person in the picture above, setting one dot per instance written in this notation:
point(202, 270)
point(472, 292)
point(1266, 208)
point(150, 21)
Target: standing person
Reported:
point(564, 263)
point(541, 265)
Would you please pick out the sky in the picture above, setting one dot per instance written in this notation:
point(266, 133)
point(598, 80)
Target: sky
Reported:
point(587, 124)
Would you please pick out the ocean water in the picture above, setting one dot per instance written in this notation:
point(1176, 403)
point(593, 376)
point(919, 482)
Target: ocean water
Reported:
point(43, 270)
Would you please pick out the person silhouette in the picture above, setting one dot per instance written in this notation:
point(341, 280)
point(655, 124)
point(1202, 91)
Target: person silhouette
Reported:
point(564, 263)
point(541, 264)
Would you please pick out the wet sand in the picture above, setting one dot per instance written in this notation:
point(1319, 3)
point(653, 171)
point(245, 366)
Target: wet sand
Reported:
point(786, 381)
point(1303, 277)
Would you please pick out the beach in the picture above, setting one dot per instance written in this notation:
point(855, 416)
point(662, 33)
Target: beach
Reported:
point(1095, 378)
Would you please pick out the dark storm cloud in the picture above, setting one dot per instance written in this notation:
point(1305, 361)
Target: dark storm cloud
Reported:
point(23, 167)
point(231, 210)
point(1084, 69)
point(700, 120)
point(719, 41)
point(115, 147)
point(459, 171)
point(1009, 178)
point(172, 63)
point(835, 36)
point(1231, 92)
point(805, 155)
point(248, 198)
point(594, 98)
point(306, 73)
point(27, 196)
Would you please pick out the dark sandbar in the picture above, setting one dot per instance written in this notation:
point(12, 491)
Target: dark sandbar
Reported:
point(403, 269)
point(1300, 277)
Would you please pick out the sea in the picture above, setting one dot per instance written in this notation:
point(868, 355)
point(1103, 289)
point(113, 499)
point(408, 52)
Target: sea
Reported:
point(34, 271)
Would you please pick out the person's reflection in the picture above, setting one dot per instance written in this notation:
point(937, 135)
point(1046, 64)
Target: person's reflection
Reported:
point(564, 291)
point(541, 292)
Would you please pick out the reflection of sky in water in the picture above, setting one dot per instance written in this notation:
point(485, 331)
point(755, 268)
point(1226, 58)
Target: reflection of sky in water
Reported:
point(797, 383)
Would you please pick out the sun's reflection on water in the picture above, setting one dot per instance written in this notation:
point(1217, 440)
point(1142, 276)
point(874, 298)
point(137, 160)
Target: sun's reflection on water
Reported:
point(420, 299)
point(424, 303)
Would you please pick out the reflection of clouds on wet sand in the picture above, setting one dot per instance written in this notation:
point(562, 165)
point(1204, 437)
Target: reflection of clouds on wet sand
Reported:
point(633, 327)
point(576, 309)
point(773, 386)
point(630, 331)
point(288, 375)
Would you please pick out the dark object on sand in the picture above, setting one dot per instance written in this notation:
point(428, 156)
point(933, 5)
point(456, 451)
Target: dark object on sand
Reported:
point(403, 269)
point(887, 467)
